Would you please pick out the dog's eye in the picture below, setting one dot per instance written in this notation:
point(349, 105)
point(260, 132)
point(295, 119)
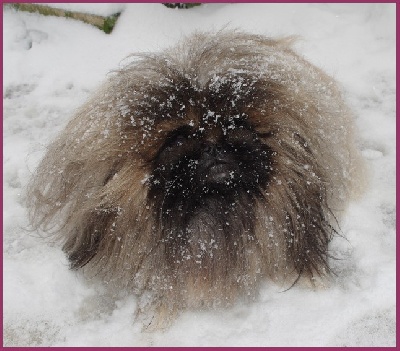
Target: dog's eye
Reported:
point(177, 138)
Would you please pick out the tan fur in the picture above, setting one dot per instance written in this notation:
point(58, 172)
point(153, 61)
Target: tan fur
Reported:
point(94, 175)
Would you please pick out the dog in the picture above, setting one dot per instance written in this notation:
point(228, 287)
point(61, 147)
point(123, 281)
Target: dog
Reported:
point(199, 172)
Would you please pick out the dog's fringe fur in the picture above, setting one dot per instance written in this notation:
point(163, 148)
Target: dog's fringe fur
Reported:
point(92, 188)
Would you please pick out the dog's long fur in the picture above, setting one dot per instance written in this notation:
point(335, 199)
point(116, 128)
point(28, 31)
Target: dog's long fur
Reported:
point(127, 200)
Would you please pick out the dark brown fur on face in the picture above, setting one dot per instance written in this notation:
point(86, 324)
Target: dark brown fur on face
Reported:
point(198, 172)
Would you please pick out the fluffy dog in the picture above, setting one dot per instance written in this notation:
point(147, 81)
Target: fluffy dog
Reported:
point(198, 172)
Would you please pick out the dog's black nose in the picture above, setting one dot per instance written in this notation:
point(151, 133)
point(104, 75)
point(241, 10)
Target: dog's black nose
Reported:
point(213, 150)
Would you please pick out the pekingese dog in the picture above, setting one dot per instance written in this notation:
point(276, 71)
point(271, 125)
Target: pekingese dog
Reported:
point(198, 172)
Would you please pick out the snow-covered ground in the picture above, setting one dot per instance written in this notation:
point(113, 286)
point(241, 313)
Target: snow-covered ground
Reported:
point(50, 67)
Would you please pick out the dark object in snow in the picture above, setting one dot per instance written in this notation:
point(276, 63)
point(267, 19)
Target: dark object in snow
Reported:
point(198, 172)
point(181, 5)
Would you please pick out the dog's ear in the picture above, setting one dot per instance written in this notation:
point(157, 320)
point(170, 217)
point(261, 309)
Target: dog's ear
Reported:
point(309, 231)
point(84, 243)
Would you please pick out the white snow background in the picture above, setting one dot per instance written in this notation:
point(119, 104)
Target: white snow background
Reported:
point(51, 65)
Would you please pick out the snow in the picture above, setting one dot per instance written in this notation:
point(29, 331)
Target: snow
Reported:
point(51, 65)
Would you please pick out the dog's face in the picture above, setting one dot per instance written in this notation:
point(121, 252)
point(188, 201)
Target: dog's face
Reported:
point(207, 141)
point(208, 161)
point(218, 157)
